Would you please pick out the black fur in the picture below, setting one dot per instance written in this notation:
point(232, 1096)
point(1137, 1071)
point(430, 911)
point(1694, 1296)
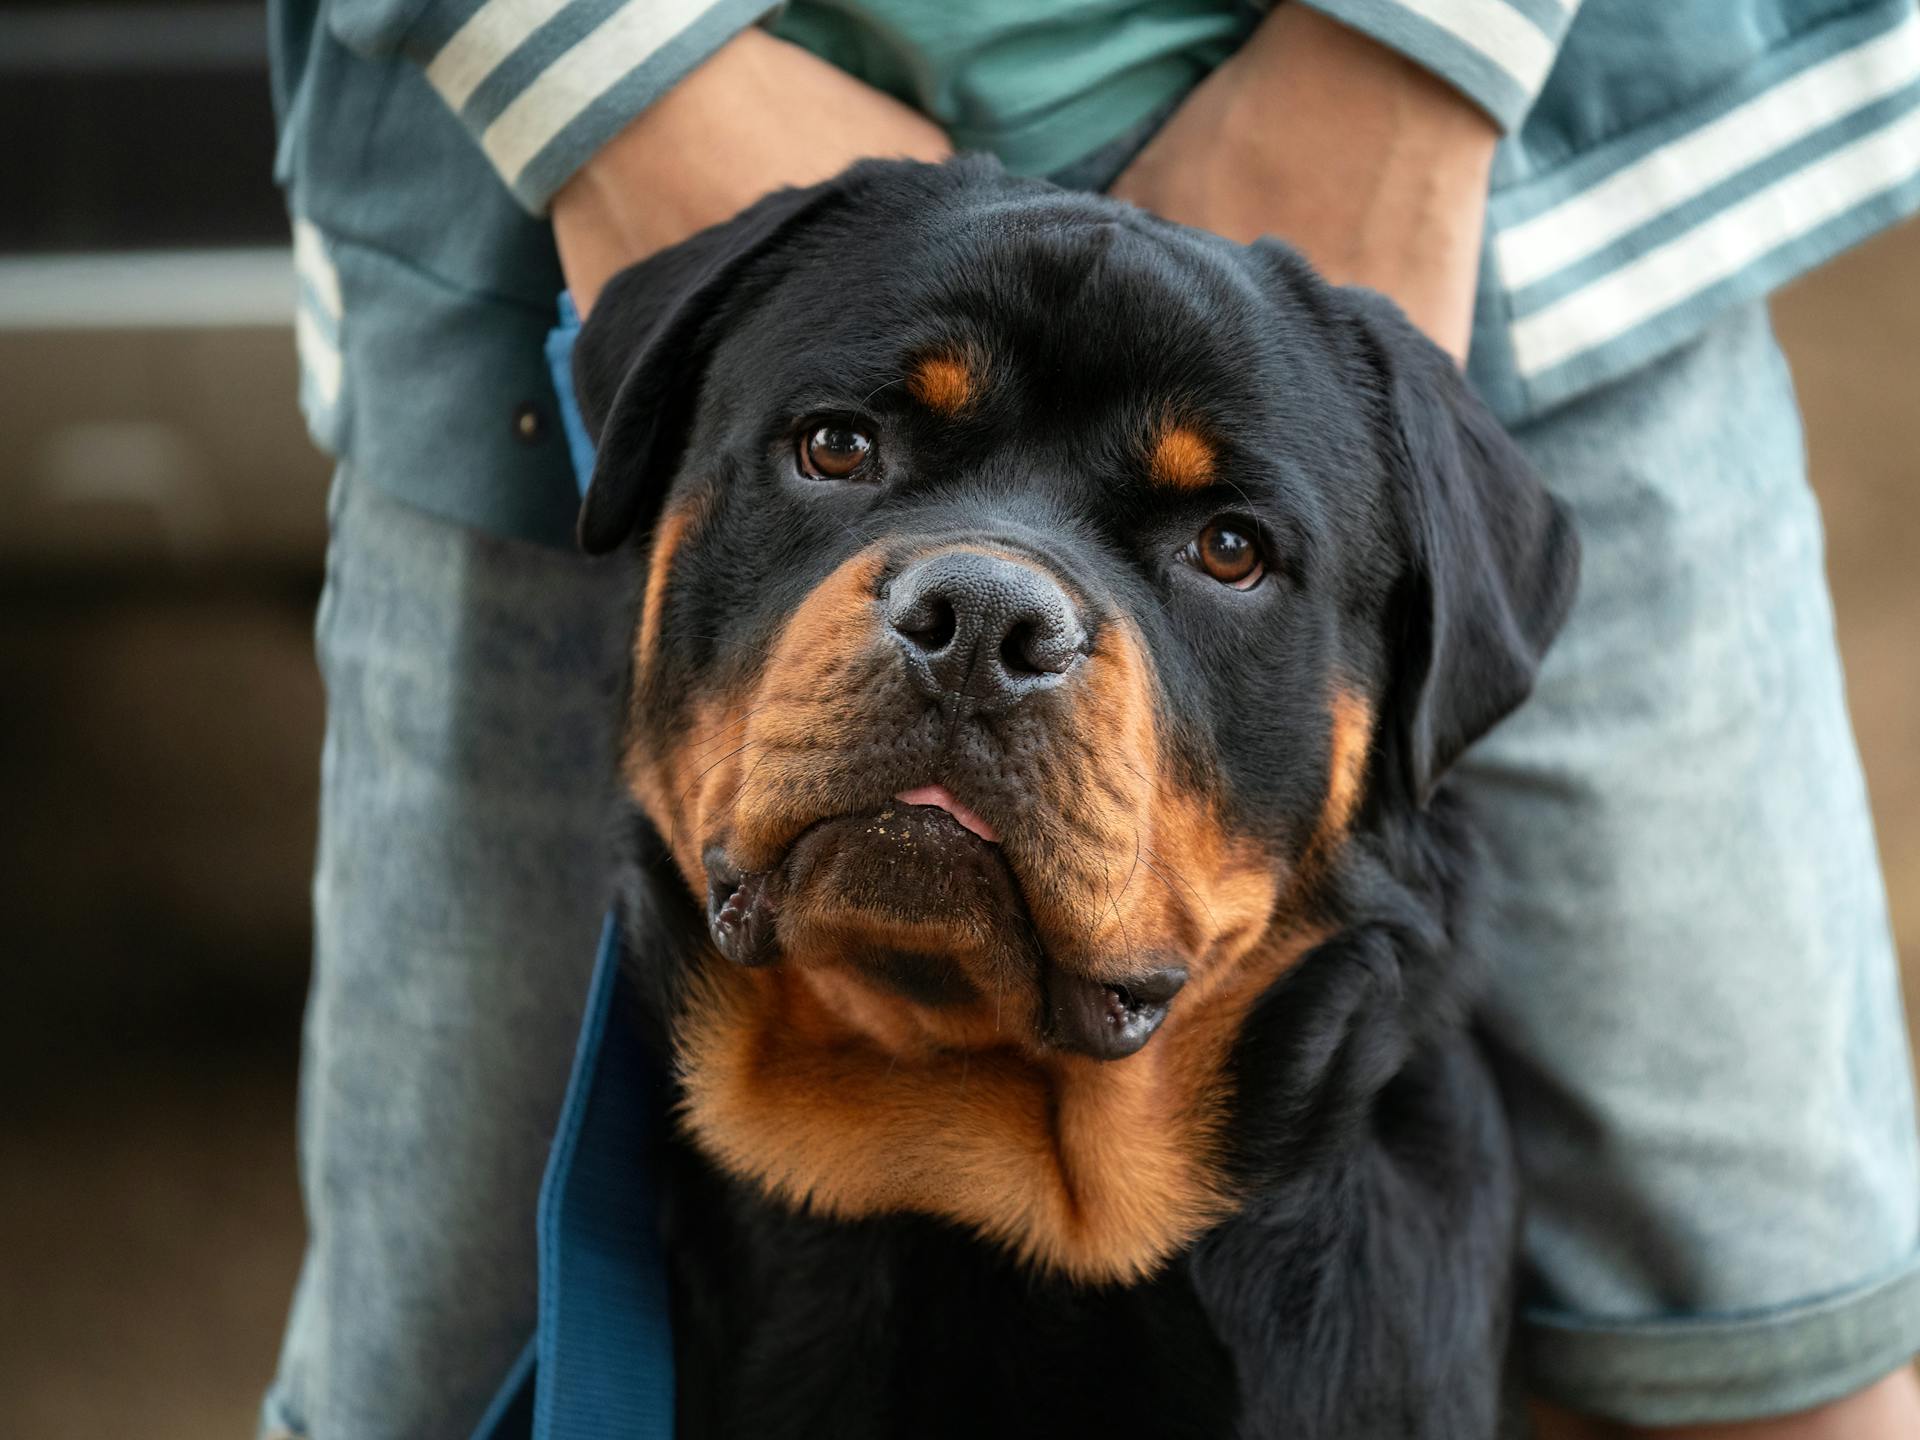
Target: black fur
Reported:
point(1363, 1291)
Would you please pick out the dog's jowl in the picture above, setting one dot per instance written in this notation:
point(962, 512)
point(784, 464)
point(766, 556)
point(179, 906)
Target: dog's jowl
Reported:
point(1052, 632)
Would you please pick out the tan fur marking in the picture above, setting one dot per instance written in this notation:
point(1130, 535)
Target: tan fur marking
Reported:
point(667, 538)
point(942, 383)
point(740, 770)
point(1347, 766)
point(1182, 458)
point(1098, 1170)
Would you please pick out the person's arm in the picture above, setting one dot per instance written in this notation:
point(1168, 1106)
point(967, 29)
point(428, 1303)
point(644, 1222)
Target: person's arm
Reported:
point(637, 124)
point(541, 85)
point(759, 115)
point(1362, 131)
point(1373, 165)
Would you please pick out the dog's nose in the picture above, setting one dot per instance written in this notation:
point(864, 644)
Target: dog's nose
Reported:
point(984, 626)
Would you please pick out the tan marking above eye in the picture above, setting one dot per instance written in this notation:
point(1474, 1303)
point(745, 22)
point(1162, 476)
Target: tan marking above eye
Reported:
point(1181, 459)
point(942, 383)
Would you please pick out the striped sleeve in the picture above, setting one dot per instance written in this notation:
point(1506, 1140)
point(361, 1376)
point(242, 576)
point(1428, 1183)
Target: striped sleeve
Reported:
point(1496, 52)
point(1601, 264)
point(543, 84)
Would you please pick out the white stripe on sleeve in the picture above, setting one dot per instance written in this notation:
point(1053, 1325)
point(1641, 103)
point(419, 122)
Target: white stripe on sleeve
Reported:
point(1719, 248)
point(1497, 31)
point(476, 49)
point(312, 264)
point(581, 76)
point(1693, 164)
point(319, 358)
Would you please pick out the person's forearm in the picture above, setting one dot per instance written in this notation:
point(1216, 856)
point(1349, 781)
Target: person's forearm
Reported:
point(1375, 169)
point(759, 115)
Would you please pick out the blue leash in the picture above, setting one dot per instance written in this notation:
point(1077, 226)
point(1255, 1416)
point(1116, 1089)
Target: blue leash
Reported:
point(600, 1366)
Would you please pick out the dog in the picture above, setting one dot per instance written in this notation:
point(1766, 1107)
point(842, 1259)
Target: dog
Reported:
point(1053, 628)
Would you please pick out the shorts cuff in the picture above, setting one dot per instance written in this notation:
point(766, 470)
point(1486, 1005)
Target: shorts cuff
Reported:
point(276, 1419)
point(1699, 1369)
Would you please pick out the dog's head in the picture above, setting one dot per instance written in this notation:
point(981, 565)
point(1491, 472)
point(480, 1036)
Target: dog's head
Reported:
point(1038, 598)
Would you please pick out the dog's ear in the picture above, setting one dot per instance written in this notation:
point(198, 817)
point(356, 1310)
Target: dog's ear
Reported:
point(639, 360)
point(1493, 561)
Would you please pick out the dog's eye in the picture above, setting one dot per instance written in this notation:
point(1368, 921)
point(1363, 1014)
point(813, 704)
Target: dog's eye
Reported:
point(834, 451)
point(1227, 553)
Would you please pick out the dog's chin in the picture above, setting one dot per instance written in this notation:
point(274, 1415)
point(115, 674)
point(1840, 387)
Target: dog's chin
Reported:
point(913, 902)
point(900, 878)
point(909, 866)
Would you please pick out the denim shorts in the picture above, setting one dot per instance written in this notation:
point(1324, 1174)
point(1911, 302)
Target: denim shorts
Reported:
point(1696, 1009)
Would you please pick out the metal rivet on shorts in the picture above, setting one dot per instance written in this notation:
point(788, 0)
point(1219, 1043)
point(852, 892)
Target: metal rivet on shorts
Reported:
point(529, 426)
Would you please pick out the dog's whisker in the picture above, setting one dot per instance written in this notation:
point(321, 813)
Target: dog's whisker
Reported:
point(1160, 875)
point(1157, 873)
point(883, 385)
point(1126, 939)
point(747, 778)
point(1251, 508)
point(710, 769)
point(1134, 868)
point(720, 732)
point(727, 641)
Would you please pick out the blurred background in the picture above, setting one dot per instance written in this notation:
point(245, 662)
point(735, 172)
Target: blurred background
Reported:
point(161, 541)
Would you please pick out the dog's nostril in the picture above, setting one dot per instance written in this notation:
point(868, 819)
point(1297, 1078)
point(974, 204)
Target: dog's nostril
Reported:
point(929, 623)
point(1048, 644)
point(1017, 651)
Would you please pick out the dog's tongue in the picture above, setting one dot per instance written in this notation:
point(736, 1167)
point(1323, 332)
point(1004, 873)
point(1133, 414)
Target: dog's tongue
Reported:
point(942, 798)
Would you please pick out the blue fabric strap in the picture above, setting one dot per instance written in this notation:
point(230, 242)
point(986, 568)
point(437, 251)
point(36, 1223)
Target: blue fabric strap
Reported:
point(560, 365)
point(604, 1354)
point(600, 1366)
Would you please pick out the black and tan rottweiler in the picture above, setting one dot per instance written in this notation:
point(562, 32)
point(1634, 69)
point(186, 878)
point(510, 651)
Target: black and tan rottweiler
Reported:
point(1053, 627)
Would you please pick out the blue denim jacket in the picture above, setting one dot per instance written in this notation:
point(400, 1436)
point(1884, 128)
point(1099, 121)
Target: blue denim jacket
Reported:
point(1663, 160)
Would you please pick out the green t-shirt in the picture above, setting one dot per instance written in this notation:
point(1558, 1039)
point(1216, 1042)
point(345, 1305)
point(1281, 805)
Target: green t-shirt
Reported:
point(1039, 85)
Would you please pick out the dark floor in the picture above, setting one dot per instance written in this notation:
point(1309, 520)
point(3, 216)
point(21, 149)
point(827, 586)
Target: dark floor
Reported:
point(158, 746)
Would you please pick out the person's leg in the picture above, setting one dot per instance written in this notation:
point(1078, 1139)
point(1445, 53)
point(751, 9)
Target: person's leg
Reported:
point(462, 873)
point(1696, 1006)
point(1886, 1410)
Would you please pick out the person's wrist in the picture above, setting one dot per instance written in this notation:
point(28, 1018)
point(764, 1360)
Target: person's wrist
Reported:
point(759, 115)
point(1371, 166)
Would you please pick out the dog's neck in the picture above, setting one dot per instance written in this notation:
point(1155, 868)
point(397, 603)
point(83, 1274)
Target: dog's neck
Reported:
point(1100, 1170)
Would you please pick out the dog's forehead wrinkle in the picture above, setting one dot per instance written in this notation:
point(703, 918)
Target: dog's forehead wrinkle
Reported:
point(1144, 331)
point(1131, 358)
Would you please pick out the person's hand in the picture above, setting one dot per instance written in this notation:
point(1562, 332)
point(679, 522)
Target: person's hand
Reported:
point(759, 115)
point(1373, 168)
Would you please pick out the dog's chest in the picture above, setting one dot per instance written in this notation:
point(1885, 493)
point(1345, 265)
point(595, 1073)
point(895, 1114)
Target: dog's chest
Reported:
point(791, 1327)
